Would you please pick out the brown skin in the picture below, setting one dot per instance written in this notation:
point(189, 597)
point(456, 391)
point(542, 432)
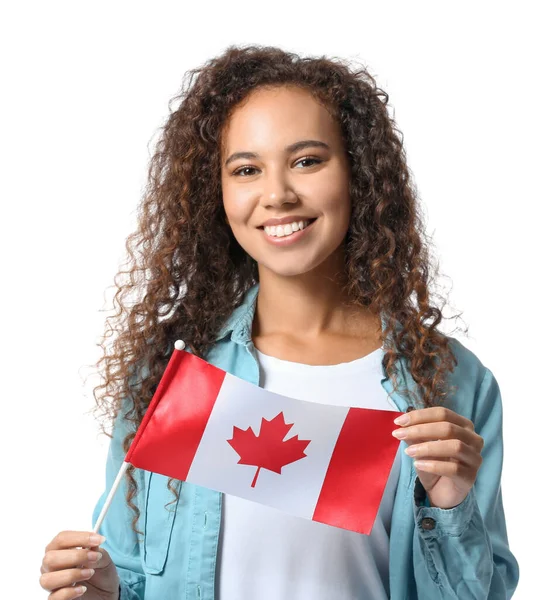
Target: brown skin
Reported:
point(387, 258)
point(302, 312)
point(450, 449)
point(65, 558)
point(183, 242)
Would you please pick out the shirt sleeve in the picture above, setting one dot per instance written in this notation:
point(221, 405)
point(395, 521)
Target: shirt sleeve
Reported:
point(463, 552)
point(121, 541)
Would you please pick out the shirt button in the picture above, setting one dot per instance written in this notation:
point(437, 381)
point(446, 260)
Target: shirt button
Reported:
point(428, 523)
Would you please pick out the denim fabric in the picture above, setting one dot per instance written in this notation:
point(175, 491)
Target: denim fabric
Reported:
point(460, 553)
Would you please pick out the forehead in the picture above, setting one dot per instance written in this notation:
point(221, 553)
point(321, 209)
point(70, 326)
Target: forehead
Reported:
point(278, 113)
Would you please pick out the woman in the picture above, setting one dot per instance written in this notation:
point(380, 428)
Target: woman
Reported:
point(281, 239)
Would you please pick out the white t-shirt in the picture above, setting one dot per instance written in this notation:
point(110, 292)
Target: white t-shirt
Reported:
point(266, 554)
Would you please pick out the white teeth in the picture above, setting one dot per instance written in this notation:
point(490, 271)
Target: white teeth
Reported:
point(284, 230)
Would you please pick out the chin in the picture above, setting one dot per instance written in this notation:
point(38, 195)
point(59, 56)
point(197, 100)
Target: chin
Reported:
point(288, 268)
point(292, 272)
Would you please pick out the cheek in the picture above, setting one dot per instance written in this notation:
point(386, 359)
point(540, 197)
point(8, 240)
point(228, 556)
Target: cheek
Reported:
point(334, 202)
point(329, 193)
point(237, 206)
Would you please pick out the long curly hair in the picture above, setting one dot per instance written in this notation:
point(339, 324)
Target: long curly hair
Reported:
point(186, 273)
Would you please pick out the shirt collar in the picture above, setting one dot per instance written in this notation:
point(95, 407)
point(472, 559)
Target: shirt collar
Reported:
point(239, 324)
point(240, 321)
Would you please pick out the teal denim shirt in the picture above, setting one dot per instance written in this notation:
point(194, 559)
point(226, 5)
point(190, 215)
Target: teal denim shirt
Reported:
point(459, 553)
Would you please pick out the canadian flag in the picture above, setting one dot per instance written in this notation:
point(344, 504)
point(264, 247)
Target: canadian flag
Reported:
point(318, 461)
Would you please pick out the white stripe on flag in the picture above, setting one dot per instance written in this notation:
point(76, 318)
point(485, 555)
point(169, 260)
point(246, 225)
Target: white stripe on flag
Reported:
point(296, 489)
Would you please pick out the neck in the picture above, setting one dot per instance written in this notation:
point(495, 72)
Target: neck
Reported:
point(308, 305)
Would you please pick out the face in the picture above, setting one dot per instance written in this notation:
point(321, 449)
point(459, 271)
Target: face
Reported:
point(283, 158)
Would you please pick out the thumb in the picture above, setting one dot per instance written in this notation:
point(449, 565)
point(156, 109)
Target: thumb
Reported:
point(428, 480)
point(104, 561)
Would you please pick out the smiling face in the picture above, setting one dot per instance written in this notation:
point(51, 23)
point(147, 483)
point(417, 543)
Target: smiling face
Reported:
point(283, 156)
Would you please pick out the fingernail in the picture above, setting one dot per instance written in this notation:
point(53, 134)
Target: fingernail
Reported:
point(421, 464)
point(411, 450)
point(87, 572)
point(402, 420)
point(96, 539)
point(94, 556)
point(81, 590)
point(399, 433)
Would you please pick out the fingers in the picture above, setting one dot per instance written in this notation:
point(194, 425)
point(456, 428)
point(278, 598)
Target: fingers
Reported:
point(435, 414)
point(451, 469)
point(444, 430)
point(59, 579)
point(54, 560)
point(453, 449)
point(68, 593)
point(71, 539)
point(72, 556)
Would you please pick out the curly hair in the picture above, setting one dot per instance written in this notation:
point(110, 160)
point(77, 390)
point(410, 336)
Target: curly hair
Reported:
point(186, 272)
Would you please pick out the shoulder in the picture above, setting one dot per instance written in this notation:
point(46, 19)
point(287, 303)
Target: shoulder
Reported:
point(469, 369)
point(473, 386)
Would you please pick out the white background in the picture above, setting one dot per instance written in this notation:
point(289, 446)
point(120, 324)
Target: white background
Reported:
point(85, 87)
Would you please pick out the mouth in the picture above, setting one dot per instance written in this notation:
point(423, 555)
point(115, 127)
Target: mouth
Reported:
point(288, 236)
point(307, 224)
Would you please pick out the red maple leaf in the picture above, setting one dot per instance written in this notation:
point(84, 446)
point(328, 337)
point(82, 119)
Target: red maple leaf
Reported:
point(268, 450)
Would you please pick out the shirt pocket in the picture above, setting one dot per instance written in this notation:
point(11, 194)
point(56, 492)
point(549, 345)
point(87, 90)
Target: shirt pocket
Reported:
point(158, 521)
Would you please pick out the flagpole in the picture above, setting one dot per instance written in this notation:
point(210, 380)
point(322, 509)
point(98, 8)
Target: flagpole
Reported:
point(109, 499)
point(179, 345)
point(107, 503)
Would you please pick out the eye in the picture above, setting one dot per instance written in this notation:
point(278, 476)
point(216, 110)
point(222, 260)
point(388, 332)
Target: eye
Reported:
point(238, 171)
point(311, 158)
point(241, 171)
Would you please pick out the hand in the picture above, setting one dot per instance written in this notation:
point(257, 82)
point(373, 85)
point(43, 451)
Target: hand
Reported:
point(60, 567)
point(450, 450)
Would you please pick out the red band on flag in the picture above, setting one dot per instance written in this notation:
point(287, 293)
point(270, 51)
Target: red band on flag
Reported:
point(183, 402)
point(353, 487)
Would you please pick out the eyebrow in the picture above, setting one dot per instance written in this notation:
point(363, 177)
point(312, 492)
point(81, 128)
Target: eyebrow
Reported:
point(290, 148)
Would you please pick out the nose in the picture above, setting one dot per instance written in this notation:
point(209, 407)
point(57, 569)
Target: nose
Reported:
point(277, 190)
